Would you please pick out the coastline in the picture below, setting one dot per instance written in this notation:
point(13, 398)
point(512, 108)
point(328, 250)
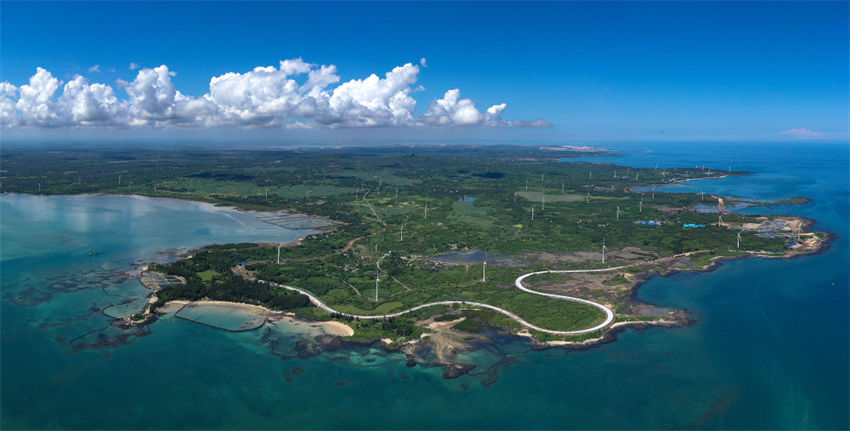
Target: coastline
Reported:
point(607, 334)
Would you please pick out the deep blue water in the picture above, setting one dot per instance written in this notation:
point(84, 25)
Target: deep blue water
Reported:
point(769, 348)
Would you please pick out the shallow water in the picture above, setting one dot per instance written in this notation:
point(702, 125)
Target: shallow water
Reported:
point(769, 348)
point(225, 316)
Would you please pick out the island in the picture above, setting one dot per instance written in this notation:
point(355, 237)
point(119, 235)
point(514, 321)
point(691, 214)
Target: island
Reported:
point(430, 250)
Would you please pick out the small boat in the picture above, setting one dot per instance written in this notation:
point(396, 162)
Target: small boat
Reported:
point(95, 253)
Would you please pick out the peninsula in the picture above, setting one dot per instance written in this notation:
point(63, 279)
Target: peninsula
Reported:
point(433, 247)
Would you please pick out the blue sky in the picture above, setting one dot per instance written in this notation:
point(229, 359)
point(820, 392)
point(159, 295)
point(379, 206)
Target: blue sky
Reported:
point(594, 71)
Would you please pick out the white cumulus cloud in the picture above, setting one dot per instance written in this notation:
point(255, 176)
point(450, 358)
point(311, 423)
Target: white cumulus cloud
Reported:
point(293, 94)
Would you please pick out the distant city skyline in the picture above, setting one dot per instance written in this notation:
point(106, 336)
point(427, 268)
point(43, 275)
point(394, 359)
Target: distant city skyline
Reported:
point(352, 72)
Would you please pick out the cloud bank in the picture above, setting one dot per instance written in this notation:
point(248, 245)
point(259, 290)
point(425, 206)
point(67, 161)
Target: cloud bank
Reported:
point(802, 133)
point(293, 94)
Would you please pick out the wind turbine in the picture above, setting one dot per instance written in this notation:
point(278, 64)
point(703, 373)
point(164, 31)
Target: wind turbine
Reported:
point(618, 213)
point(377, 280)
point(701, 195)
point(544, 202)
point(532, 213)
point(279, 244)
point(402, 233)
point(739, 240)
point(484, 269)
point(426, 210)
point(604, 249)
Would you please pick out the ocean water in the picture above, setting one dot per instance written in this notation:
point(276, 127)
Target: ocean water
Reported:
point(769, 348)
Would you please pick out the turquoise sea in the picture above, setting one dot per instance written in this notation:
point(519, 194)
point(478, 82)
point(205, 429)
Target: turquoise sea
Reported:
point(769, 348)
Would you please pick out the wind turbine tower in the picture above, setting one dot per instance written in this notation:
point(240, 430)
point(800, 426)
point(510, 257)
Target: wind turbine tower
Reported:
point(484, 269)
point(279, 244)
point(618, 213)
point(604, 249)
point(532, 213)
point(377, 280)
point(402, 233)
point(544, 202)
point(739, 240)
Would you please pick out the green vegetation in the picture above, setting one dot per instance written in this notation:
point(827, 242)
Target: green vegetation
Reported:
point(372, 193)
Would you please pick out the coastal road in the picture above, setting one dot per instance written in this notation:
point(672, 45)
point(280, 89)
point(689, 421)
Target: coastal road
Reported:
point(609, 314)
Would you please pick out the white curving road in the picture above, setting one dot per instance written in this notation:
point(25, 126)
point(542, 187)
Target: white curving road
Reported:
point(609, 314)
